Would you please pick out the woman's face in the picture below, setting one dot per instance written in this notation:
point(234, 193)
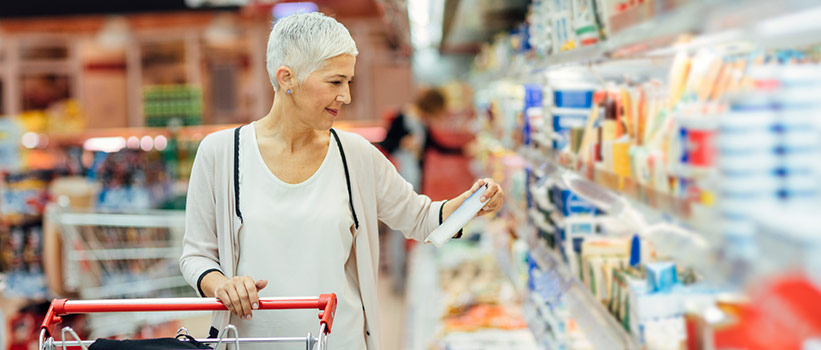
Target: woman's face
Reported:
point(320, 97)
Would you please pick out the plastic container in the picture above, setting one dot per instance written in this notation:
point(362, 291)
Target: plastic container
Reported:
point(746, 143)
point(801, 140)
point(799, 98)
point(459, 218)
point(744, 185)
point(747, 121)
point(748, 163)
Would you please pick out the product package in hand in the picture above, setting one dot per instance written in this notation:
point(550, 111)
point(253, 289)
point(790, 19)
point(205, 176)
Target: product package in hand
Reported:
point(459, 218)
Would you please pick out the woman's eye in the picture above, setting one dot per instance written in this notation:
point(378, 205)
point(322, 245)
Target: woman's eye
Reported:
point(336, 82)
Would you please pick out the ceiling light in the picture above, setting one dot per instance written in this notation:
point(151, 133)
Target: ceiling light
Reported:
point(115, 33)
point(222, 30)
point(285, 9)
point(104, 144)
point(425, 17)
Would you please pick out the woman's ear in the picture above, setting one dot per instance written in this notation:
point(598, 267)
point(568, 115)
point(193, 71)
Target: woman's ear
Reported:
point(285, 78)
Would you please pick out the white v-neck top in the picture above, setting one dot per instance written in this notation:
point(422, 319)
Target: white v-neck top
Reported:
point(299, 238)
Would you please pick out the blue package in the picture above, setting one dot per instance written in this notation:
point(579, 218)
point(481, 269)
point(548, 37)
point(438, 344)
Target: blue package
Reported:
point(635, 251)
point(661, 276)
point(573, 98)
point(571, 203)
point(531, 267)
point(528, 182)
point(565, 119)
point(533, 99)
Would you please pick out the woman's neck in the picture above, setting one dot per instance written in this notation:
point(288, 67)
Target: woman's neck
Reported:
point(283, 125)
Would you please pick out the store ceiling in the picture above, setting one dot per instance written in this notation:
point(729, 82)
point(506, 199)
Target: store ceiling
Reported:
point(466, 23)
point(350, 8)
point(38, 8)
point(469, 23)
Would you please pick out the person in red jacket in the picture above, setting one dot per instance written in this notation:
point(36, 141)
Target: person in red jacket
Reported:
point(409, 136)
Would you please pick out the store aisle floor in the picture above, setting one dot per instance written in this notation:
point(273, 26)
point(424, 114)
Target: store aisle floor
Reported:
point(392, 314)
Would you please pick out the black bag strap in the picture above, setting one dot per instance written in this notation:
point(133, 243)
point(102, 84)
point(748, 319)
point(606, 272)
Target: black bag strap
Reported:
point(347, 177)
point(344, 165)
point(236, 173)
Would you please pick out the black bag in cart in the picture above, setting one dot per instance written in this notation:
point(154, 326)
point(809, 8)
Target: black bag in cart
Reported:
point(149, 344)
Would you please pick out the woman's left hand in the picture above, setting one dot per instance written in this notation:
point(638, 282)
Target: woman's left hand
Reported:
point(494, 193)
point(494, 196)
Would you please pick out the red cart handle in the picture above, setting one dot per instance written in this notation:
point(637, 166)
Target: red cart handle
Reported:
point(325, 303)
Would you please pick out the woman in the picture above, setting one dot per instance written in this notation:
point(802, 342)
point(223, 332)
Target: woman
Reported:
point(287, 206)
point(409, 136)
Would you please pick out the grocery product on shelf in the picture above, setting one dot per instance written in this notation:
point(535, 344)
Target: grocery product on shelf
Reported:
point(10, 135)
point(663, 184)
point(169, 105)
point(23, 197)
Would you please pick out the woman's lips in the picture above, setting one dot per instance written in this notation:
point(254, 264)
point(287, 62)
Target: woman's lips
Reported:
point(333, 112)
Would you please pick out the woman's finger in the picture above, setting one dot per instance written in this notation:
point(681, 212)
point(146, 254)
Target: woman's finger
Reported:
point(222, 295)
point(234, 304)
point(261, 284)
point(244, 301)
point(491, 191)
point(476, 186)
point(253, 297)
point(495, 202)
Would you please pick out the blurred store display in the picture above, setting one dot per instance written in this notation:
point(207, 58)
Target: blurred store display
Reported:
point(662, 159)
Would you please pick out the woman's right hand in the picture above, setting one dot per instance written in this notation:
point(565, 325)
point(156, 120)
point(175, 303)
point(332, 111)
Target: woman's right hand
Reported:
point(239, 294)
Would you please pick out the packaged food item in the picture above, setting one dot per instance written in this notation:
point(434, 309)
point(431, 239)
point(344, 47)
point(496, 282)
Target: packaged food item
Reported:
point(564, 120)
point(10, 134)
point(457, 220)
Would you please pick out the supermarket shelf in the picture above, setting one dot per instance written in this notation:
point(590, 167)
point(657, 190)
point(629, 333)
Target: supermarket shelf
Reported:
point(582, 55)
point(148, 219)
point(373, 131)
point(757, 24)
point(125, 254)
point(600, 327)
point(684, 231)
point(615, 194)
point(659, 31)
point(142, 287)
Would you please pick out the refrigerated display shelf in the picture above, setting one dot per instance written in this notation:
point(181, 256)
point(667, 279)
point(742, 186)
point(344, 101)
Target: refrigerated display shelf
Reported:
point(599, 326)
point(683, 230)
point(758, 24)
point(613, 193)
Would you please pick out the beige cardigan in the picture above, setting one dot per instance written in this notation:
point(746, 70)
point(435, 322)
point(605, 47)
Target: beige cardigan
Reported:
point(379, 194)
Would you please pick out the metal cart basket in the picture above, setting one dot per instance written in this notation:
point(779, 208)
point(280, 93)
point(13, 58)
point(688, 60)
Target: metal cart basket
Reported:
point(325, 303)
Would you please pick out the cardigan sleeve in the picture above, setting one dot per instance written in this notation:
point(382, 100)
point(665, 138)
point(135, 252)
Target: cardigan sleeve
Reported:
point(398, 205)
point(200, 253)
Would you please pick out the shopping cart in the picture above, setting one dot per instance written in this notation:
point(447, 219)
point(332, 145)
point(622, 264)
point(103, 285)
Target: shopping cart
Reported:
point(325, 303)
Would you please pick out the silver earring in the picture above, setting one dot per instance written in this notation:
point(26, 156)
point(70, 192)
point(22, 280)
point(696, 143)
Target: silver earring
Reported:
point(288, 91)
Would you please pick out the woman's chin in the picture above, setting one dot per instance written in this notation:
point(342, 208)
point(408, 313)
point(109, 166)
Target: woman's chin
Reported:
point(324, 126)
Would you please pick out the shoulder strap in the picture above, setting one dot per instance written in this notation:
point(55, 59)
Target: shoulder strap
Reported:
point(344, 165)
point(236, 173)
point(347, 177)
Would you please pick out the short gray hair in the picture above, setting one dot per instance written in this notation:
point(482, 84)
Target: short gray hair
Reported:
point(303, 42)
